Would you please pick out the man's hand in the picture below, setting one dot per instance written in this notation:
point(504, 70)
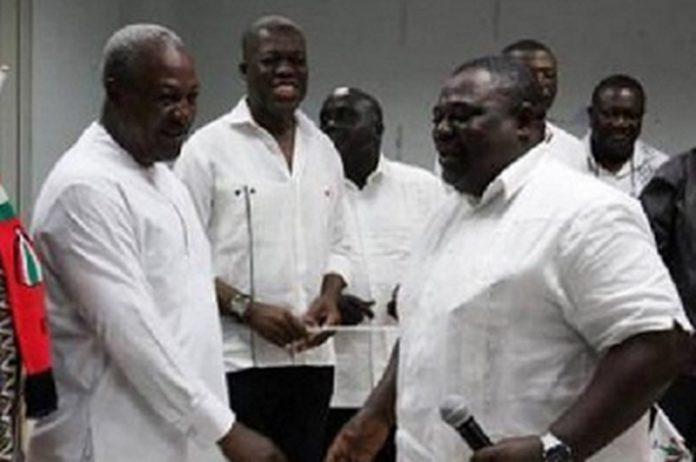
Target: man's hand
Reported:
point(353, 309)
point(274, 323)
point(241, 444)
point(524, 449)
point(392, 304)
point(322, 312)
point(359, 440)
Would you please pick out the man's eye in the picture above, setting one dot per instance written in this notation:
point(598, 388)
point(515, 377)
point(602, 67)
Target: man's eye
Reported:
point(298, 61)
point(270, 61)
point(167, 98)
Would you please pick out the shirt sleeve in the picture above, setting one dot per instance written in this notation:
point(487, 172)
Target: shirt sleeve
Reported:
point(342, 246)
point(196, 173)
point(89, 242)
point(616, 282)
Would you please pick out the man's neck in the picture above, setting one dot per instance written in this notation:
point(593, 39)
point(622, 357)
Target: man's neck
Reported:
point(280, 126)
point(360, 172)
point(111, 122)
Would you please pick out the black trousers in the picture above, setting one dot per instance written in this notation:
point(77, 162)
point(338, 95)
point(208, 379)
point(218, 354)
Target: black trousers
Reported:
point(339, 416)
point(287, 404)
point(679, 403)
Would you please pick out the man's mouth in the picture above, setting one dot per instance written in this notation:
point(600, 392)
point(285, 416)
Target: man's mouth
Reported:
point(285, 91)
point(620, 139)
point(176, 136)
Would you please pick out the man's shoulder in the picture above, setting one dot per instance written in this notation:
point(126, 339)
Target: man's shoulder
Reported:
point(90, 157)
point(212, 130)
point(571, 189)
point(409, 173)
point(653, 156)
point(678, 168)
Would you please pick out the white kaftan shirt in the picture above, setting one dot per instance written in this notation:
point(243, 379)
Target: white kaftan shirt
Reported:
point(284, 226)
point(632, 177)
point(386, 216)
point(512, 300)
point(137, 345)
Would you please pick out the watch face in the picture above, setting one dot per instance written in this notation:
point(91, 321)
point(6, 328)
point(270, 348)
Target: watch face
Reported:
point(559, 453)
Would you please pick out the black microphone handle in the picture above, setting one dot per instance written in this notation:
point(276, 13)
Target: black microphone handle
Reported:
point(473, 434)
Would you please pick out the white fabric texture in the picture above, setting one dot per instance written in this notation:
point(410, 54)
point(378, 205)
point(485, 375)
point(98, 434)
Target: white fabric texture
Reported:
point(633, 176)
point(386, 217)
point(561, 142)
point(512, 300)
point(235, 170)
point(137, 344)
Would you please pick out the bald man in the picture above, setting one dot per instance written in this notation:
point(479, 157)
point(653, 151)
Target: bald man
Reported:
point(544, 66)
point(389, 202)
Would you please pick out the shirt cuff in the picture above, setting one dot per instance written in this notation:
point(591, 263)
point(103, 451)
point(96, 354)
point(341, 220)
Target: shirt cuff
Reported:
point(339, 264)
point(211, 419)
point(644, 326)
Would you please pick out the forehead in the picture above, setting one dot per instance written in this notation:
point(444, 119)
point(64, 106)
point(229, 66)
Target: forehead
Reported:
point(167, 63)
point(471, 87)
point(278, 39)
point(537, 59)
point(619, 96)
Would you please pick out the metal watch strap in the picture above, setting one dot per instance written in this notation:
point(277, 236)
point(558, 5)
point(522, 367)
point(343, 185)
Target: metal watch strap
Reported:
point(239, 304)
point(555, 450)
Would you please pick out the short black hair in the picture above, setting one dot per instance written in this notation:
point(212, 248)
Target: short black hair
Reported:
point(618, 81)
point(513, 79)
point(527, 45)
point(271, 22)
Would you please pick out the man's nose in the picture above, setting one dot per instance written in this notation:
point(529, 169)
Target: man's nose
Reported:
point(285, 67)
point(184, 112)
point(442, 128)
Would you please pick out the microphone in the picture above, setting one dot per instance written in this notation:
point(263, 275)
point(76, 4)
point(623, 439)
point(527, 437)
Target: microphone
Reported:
point(455, 412)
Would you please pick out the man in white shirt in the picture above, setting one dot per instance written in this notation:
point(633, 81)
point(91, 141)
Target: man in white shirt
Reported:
point(389, 203)
point(137, 346)
point(541, 60)
point(268, 188)
point(536, 293)
point(612, 150)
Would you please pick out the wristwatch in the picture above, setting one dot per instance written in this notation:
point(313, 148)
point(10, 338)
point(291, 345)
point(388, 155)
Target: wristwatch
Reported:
point(239, 304)
point(555, 450)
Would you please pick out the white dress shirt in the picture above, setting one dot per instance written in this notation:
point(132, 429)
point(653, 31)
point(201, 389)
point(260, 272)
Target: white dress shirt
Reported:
point(512, 300)
point(137, 346)
point(561, 142)
point(286, 224)
point(632, 177)
point(386, 216)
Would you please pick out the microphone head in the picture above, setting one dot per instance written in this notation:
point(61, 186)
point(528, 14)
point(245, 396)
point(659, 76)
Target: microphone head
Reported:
point(454, 410)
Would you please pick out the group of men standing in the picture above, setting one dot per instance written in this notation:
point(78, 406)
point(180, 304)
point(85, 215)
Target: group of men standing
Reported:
point(534, 291)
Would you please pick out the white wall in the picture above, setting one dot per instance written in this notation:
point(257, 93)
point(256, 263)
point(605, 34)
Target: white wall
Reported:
point(400, 50)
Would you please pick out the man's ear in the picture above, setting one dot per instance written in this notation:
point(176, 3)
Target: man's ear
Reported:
point(114, 92)
point(243, 68)
point(527, 118)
